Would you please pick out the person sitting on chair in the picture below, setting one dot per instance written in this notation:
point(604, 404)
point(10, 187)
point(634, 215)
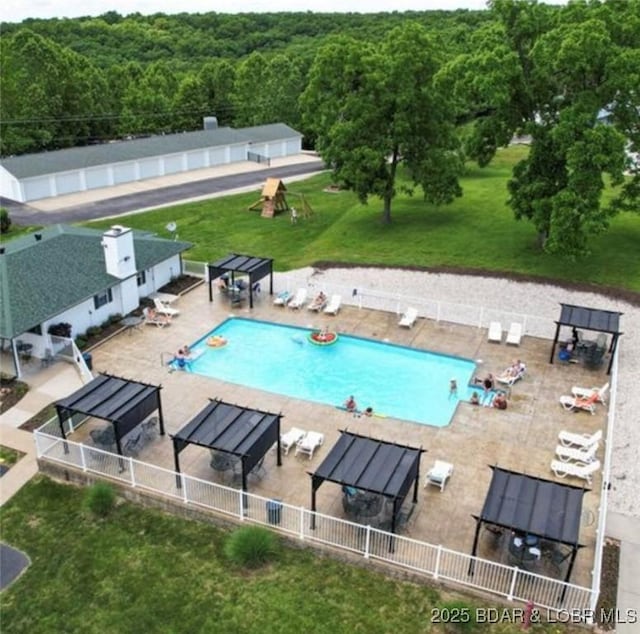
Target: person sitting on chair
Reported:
point(223, 283)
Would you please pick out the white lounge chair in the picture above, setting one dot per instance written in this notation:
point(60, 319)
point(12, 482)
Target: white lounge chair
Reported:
point(495, 332)
point(164, 309)
point(568, 439)
point(409, 318)
point(283, 298)
point(152, 318)
point(309, 443)
point(439, 474)
point(318, 303)
point(509, 377)
point(291, 438)
point(573, 454)
point(514, 335)
point(333, 306)
point(574, 403)
point(583, 392)
point(576, 469)
point(298, 299)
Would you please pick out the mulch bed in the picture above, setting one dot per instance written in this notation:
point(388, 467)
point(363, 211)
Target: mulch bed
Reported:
point(608, 582)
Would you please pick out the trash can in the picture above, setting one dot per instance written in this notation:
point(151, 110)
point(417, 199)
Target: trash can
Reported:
point(88, 360)
point(274, 511)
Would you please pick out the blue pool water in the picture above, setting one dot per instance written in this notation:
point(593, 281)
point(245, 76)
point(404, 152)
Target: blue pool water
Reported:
point(394, 380)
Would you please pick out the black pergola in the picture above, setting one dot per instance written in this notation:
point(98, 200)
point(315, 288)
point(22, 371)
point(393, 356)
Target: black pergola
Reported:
point(124, 403)
point(238, 431)
point(374, 466)
point(255, 268)
point(549, 510)
point(580, 317)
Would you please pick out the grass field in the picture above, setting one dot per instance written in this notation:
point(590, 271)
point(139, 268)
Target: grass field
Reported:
point(142, 571)
point(478, 231)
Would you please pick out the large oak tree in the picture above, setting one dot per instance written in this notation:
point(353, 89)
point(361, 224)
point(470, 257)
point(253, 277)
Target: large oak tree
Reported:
point(374, 106)
point(568, 77)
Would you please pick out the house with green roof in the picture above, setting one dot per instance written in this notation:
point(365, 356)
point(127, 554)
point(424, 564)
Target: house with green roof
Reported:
point(78, 276)
point(49, 174)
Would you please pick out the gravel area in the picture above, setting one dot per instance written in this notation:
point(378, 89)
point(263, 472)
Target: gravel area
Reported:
point(498, 296)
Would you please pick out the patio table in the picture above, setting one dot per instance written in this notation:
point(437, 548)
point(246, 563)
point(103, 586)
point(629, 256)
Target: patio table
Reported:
point(132, 323)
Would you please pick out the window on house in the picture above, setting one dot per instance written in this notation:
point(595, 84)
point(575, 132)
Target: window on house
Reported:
point(102, 298)
point(141, 278)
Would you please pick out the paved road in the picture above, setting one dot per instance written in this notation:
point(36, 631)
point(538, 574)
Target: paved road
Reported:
point(24, 214)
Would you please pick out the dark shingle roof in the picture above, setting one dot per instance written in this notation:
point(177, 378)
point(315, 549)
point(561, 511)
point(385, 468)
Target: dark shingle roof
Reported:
point(41, 279)
point(30, 165)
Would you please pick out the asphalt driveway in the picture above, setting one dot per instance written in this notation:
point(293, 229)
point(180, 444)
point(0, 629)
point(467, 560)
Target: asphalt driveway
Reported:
point(24, 214)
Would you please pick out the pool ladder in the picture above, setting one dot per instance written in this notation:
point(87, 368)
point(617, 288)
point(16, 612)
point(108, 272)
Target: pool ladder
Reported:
point(166, 358)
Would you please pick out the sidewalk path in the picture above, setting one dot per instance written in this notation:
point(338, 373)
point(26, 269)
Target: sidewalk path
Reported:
point(45, 387)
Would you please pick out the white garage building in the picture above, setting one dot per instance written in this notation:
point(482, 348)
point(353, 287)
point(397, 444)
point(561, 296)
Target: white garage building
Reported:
point(48, 174)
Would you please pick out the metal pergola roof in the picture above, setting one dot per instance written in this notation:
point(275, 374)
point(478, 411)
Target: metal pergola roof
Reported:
point(239, 431)
point(595, 319)
point(371, 465)
point(256, 268)
point(122, 402)
point(549, 510)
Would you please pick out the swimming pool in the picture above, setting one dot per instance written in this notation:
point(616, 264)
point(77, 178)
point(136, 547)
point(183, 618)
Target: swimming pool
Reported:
point(394, 380)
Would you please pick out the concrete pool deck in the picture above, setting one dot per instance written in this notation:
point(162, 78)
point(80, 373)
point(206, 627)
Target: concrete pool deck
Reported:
point(522, 438)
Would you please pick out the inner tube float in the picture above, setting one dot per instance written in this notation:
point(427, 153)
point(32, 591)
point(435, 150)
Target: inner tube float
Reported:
point(323, 338)
point(216, 341)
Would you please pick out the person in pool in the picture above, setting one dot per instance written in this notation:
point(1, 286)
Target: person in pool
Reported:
point(350, 404)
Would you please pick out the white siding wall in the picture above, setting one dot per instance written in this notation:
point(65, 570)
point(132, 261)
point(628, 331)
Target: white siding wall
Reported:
point(10, 186)
point(294, 146)
point(131, 171)
point(124, 173)
point(68, 183)
point(35, 188)
point(150, 168)
point(173, 164)
point(197, 160)
point(163, 273)
point(96, 177)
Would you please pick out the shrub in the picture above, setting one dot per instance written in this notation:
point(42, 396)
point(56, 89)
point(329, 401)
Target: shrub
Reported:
point(5, 221)
point(93, 331)
point(63, 329)
point(105, 324)
point(81, 342)
point(115, 318)
point(100, 499)
point(251, 546)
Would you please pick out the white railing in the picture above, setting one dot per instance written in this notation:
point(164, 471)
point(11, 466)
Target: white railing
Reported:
point(431, 560)
point(199, 269)
point(463, 314)
point(604, 493)
point(65, 348)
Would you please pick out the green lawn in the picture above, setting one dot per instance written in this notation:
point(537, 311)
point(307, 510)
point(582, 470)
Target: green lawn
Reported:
point(143, 571)
point(478, 231)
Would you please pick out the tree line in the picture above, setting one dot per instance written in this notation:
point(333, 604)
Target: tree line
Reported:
point(388, 100)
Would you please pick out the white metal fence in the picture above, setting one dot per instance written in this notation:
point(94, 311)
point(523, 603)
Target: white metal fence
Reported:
point(480, 317)
point(431, 560)
point(463, 314)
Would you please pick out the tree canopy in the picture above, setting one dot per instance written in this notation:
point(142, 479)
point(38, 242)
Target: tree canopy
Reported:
point(374, 107)
point(569, 79)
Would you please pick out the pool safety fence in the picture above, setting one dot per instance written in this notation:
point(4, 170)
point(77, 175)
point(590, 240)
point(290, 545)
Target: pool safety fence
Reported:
point(463, 314)
point(430, 560)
